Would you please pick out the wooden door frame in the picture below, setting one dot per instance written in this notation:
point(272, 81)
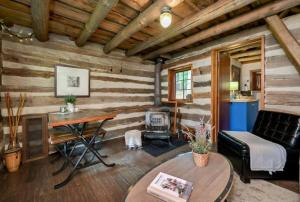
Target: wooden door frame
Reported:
point(215, 80)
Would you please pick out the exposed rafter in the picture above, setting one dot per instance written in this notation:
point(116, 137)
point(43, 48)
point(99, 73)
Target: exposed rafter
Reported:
point(141, 21)
point(246, 54)
point(270, 9)
point(247, 59)
point(245, 48)
point(102, 9)
point(211, 12)
point(285, 39)
point(40, 18)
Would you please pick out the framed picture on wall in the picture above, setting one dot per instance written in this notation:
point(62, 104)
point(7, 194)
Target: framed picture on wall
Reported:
point(235, 74)
point(72, 81)
point(255, 77)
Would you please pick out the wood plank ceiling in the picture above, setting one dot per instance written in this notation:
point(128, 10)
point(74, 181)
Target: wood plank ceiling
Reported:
point(69, 17)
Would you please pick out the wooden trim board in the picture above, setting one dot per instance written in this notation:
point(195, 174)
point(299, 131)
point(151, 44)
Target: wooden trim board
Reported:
point(214, 79)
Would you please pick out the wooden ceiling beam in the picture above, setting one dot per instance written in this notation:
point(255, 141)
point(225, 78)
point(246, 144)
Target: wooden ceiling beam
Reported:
point(296, 10)
point(247, 59)
point(251, 61)
point(244, 48)
point(40, 18)
point(102, 9)
point(211, 12)
point(269, 9)
point(191, 4)
point(246, 54)
point(286, 40)
point(142, 20)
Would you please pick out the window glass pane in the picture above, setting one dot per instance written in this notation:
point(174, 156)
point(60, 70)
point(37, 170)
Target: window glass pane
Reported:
point(188, 84)
point(185, 75)
point(177, 76)
point(179, 85)
point(189, 74)
point(180, 76)
point(179, 94)
point(183, 81)
point(187, 94)
point(185, 84)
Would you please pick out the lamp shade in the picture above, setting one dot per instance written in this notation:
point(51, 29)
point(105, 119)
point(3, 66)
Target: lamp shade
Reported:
point(165, 17)
point(234, 85)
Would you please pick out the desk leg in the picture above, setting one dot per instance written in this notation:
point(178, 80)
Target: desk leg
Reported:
point(63, 183)
point(66, 160)
point(89, 146)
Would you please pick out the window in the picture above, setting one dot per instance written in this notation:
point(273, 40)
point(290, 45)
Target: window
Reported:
point(180, 84)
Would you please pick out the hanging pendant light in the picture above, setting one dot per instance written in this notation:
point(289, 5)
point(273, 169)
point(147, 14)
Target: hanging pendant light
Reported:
point(165, 17)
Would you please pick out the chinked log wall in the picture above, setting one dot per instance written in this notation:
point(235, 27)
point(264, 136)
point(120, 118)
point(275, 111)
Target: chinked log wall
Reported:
point(117, 83)
point(201, 72)
point(282, 81)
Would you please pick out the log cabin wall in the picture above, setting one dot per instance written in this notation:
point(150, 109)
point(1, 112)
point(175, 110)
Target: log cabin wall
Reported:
point(201, 77)
point(282, 81)
point(117, 82)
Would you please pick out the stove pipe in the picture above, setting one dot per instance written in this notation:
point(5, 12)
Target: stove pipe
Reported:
point(157, 83)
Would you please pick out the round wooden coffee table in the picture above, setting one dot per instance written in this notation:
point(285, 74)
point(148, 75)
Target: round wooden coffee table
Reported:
point(211, 183)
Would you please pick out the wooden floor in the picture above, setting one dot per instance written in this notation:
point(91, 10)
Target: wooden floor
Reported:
point(34, 182)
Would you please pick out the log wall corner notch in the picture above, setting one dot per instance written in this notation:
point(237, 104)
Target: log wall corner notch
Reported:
point(286, 40)
point(40, 18)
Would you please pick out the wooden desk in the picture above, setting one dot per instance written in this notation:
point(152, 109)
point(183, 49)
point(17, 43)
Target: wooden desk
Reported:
point(82, 116)
point(77, 124)
point(211, 183)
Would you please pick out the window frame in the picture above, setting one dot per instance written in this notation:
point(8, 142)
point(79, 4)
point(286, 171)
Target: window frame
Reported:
point(172, 83)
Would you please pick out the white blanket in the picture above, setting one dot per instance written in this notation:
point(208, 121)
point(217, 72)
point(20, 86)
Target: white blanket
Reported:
point(264, 155)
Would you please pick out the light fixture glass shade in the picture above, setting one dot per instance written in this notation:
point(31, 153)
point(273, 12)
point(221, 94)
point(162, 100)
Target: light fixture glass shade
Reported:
point(165, 18)
point(234, 85)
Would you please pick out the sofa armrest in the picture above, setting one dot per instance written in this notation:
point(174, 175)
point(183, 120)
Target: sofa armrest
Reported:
point(239, 147)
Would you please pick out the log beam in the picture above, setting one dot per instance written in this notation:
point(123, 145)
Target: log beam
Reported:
point(244, 48)
point(142, 20)
point(247, 59)
point(260, 13)
point(246, 54)
point(40, 18)
point(286, 40)
point(211, 12)
point(102, 9)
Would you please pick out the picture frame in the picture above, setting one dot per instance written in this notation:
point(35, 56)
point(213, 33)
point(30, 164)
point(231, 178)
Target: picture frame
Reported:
point(70, 80)
point(235, 74)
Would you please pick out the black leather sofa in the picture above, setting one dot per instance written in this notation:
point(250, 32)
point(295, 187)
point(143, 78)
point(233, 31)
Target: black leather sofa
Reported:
point(281, 128)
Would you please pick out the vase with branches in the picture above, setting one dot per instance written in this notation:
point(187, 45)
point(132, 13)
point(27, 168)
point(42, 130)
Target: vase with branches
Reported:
point(12, 155)
point(199, 142)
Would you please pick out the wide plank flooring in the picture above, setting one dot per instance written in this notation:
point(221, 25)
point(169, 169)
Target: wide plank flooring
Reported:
point(34, 181)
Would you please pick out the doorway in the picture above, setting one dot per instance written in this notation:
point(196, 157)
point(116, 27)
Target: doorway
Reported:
point(237, 75)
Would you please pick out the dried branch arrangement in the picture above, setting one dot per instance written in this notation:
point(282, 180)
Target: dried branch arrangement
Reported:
point(13, 120)
point(199, 141)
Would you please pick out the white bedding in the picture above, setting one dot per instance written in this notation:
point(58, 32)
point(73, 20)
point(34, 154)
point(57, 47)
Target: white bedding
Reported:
point(264, 155)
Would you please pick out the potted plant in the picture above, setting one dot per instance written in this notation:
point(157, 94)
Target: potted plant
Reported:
point(70, 102)
point(199, 143)
point(12, 156)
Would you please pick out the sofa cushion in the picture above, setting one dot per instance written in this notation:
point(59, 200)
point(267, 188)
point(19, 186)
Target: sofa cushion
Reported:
point(278, 127)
